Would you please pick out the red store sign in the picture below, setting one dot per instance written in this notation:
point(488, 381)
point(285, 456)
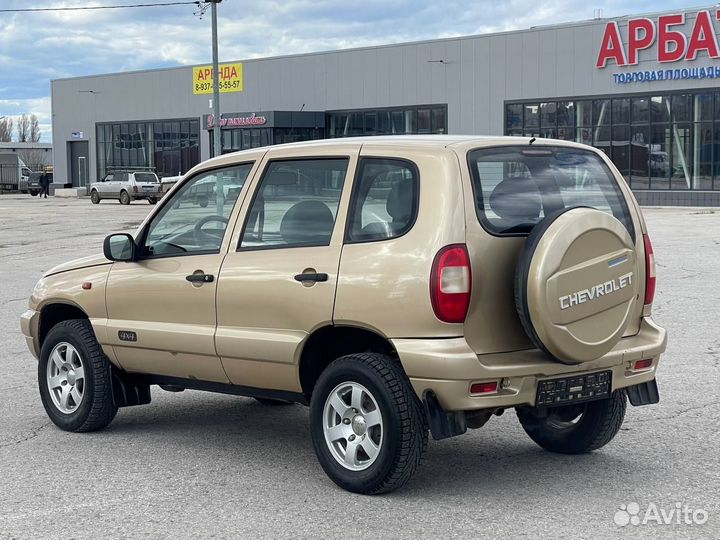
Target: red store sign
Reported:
point(673, 45)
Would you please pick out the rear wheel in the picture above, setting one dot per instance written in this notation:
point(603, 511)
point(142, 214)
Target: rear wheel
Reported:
point(34, 193)
point(152, 200)
point(124, 197)
point(575, 429)
point(95, 197)
point(74, 378)
point(203, 201)
point(368, 426)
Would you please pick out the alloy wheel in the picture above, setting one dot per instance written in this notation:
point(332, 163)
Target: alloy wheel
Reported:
point(353, 426)
point(65, 377)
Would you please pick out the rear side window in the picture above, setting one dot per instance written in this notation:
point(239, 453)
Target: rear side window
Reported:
point(296, 204)
point(146, 177)
point(517, 186)
point(385, 200)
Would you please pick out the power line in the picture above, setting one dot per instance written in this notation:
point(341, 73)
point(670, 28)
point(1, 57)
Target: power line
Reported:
point(90, 8)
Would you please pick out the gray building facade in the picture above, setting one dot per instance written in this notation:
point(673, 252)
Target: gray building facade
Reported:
point(645, 89)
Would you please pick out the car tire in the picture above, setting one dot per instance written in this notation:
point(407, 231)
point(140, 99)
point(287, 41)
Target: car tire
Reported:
point(125, 197)
point(203, 201)
point(273, 402)
point(576, 429)
point(87, 404)
point(95, 197)
point(34, 193)
point(152, 200)
point(388, 420)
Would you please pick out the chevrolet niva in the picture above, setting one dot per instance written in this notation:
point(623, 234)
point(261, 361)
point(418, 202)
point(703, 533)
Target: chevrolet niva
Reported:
point(396, 285)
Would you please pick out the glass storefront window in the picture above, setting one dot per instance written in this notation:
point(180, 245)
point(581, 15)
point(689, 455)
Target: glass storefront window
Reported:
point(388, 121)
point(681, 108)
point(565, 114)
point(601, 112)
point(439, 120)
point(513, 117)
point(621, 111)
point(640, 157)
point(531, 115)
point(640, 108)
point(703, 108)
point(584, 113)
point(705, 155)
point(161, 146)
point(666, 141)
point(548, 115)
point(659, 109)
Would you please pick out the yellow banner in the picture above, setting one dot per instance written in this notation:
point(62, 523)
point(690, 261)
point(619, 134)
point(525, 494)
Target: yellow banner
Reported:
point(231, 79)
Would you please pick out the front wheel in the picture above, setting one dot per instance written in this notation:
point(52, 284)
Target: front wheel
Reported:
point(95, 197)
point(368, 427)
point(124, 197)
point(34, 193)
point(74, 378)
point(576, 429)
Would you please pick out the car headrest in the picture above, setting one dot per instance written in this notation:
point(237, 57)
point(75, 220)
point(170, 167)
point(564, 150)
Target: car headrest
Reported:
point(517, 199)
point(307, 222)
point(400, 200)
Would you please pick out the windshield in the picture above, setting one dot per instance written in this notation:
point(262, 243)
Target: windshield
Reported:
point(517, 186)
point(146, 177)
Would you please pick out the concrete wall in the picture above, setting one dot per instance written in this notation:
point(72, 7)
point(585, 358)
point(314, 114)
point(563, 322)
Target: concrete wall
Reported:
point(477, 75)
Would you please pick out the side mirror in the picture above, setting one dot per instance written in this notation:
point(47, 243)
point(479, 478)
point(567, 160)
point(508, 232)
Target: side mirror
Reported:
point(119, 247)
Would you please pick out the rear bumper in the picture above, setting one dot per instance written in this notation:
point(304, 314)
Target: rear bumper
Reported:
point(140, 195)
point(448, 367)
point(29, 327)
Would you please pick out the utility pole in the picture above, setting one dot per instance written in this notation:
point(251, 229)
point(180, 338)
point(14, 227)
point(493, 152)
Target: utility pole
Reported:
point(217, 134)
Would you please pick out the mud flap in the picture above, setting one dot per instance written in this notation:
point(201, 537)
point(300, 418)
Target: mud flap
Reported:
point(443, 424)
point(128, 392)
point(643, 394)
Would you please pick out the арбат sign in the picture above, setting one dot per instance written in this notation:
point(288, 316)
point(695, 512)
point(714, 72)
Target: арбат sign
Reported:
point(231, 79)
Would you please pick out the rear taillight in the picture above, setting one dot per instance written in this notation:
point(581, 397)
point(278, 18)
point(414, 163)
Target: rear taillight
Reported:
point(484, 387)
point(450, 283)
point(649, 271)
point(135, 189)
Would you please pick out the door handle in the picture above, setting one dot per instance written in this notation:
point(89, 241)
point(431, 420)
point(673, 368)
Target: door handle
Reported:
point(200, 278)
point(311, 277)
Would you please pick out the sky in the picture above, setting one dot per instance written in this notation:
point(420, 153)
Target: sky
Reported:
point(36, 48)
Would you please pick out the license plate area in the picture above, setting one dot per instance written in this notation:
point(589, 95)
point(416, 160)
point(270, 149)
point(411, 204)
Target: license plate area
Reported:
point(575, 389)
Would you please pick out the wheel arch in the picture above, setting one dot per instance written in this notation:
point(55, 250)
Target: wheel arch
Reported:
point(328, 343)
point(54, 313)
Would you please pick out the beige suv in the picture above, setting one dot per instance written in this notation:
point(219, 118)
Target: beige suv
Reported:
point(396, 285)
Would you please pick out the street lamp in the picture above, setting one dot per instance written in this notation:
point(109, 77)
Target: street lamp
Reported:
point(217, 147)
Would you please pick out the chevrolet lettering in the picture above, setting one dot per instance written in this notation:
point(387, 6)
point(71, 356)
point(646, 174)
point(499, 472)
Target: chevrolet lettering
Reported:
point(585, 295)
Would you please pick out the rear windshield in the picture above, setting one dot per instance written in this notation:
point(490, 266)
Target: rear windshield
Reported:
point(145, 177)
point(516, 186)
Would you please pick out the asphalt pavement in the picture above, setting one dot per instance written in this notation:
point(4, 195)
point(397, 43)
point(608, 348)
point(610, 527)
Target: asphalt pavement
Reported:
point(201, 465)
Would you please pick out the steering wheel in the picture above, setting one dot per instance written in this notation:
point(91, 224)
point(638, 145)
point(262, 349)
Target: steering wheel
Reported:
point(201, 236)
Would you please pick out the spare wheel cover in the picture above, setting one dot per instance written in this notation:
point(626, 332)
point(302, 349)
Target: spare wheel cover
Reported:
point(576, 283)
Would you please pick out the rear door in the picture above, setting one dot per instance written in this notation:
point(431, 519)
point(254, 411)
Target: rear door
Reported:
point(514, 188)
point(147, 182)
point(277, 283)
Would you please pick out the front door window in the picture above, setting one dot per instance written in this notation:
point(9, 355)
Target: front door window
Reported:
point(195, 220)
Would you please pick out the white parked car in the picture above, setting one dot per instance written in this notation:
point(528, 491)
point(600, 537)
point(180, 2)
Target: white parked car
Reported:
point(127, 186)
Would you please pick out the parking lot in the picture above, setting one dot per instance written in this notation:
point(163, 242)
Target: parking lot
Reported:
point(196, 464)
